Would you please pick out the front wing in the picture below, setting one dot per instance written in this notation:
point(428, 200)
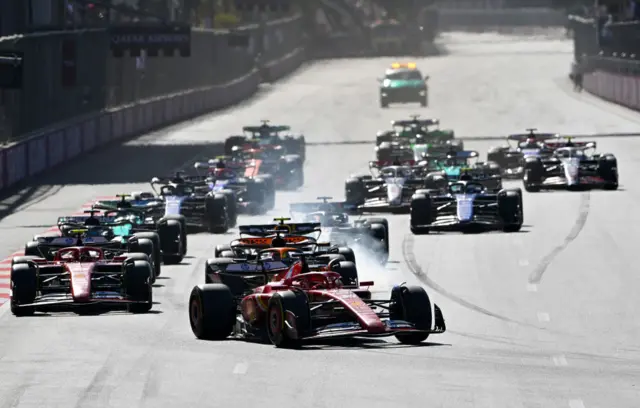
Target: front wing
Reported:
point(62, 302)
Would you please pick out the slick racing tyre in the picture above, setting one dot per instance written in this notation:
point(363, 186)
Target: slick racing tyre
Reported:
point(420, 214)
point(608, 171)
point(533, 175)
point(411, 304)
point(355, 191)
point(216, 217)
point(212, 311)
point(137, 285)
point(145, 246)
point(348, 272)
point(171, 236)
point(24, 286)
point(510, 209)
point(157, 249)
point(183, 224)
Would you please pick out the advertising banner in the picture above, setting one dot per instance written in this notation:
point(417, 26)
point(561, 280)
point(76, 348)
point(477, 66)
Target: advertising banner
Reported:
point(37, 154)
point(16, 164)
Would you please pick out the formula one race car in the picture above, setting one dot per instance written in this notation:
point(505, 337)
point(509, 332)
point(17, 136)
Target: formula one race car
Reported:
point(85, 279)
point(111, 235)
point(254, 195)
point(267, 135)
point(395, 151)
point(511, 158)
point(389, 189)
point(456, 165)
point(291, 306)
point(369, 233)
point(287, 170)
point(124, 217)
point(466, 206)
point(573, 165)
point(200, 207)
point(421, 135)
point(254, 238)
point(403, 83)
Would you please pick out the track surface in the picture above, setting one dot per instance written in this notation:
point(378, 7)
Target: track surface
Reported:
point(543, 318)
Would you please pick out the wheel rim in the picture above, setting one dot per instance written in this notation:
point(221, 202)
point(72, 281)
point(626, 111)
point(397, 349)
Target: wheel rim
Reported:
point(275, 322)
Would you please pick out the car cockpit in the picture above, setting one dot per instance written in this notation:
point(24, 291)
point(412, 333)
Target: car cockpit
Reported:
point(396, 172)
point(569, 152)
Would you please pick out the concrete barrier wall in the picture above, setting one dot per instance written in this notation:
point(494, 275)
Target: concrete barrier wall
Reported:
point(617, 88)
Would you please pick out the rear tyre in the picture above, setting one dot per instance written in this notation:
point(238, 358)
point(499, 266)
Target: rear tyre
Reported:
point(354, 191)
point(183, 224)
point(154, 237)
point(348, 272)
point(216, 217)
point(171, 236)
point(145, 246)
point(212, 311)
point(411, 304)
point(32, 248)
point(420, 214)
point(510, 209)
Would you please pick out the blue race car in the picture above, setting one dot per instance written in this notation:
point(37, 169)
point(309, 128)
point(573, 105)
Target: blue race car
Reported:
point(467, 205)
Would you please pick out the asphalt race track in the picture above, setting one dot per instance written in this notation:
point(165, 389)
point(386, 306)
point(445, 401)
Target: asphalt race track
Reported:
point(542, 318)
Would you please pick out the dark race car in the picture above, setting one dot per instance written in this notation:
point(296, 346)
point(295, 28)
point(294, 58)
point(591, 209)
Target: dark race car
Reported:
point(254, 194)
point(388, 189)
point(511, 158)
point(290, 305)
point(199, 207)
point(572, 166)
point(286, 170)
point(466, 206)
point(254, 238)
point(394, 151)
point(268, 135)
point(83, 278)
point(369, 233)
point(403, 83)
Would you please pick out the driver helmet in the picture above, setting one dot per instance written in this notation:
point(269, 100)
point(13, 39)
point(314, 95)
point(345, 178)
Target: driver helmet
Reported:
point(85, 257)
point(124, 204)
point(531, 140)
point(466, 176)
point(569, 143)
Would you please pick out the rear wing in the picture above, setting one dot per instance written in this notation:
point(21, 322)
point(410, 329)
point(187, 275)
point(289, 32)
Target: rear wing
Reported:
point(415, 122)
point(384, 163)
point(556, 144)
point(80, 219)
point(306, 208)
point(290, 228)
point(464, 154)
point(71, 241)
point(245, 268)
point(521, 137)
point(268, 128)
point(265, 242)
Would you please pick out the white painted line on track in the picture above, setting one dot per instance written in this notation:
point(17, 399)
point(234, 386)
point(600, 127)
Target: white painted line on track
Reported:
point(576, 403)
point(543, 317)
point(532, 287)
point(523, 262)
point(240, 368)
point(560, 361)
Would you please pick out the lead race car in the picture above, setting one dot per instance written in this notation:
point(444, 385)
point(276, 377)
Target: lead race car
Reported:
point(82, 278)
point(295, 306)
point(334, 218)
point(511, 158)
point(467, 206)
point(388, 189)
point(275, 136)
point(572, 166)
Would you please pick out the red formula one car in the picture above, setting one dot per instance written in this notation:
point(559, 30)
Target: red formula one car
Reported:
point(297, 306)
point(83, 280)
